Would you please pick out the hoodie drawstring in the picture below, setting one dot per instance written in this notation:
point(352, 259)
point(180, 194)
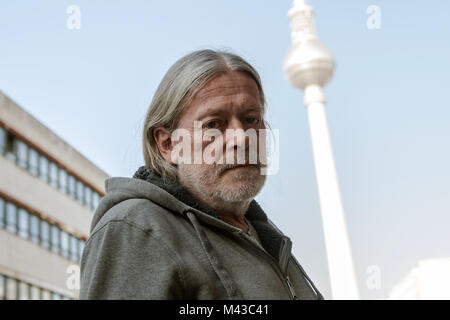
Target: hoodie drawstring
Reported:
point(222, 273)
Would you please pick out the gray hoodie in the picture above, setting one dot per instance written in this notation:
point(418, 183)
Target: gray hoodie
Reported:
point(150, 239)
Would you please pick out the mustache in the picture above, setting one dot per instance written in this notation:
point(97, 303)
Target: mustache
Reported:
point(237, 161)
point(225, 167)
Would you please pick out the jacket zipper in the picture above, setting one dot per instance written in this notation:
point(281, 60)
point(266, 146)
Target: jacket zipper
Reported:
point(288, 281)
point(291, 288)
point(285, 279)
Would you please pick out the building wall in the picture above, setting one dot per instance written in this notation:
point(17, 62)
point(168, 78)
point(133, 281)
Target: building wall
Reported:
point(30, 129)
point(48, 192)
point(24, 260)
point(430, 279)
point(31, 191)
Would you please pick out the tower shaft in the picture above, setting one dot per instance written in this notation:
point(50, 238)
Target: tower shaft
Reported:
point(341, 271)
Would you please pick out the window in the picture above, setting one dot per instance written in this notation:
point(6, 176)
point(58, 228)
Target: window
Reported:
point(43, 168)
point(55, 239)
point(11, 289)
point(45, 234)
point(2, 140)
point(56, 296)
point(10, 147)
point(2, 213)
point(95, 200)
point(22, 154)
point(88, 197)
point(35, 293)
point(23, 223)
point(33, 161)
point(65, 244)
point(23, 291)
point(71, 186)
point(2, 284)
point(11, 217)
point(45, 294)
point(74, 249)
point(80, 192)
point(53, 174)
point(34, 228)
point(80, 249)
point(62, 180)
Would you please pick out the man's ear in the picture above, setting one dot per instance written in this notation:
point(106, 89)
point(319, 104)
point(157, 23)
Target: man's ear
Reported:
point(164, 142)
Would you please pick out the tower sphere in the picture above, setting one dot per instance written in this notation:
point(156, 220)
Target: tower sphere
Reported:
point(308, 61)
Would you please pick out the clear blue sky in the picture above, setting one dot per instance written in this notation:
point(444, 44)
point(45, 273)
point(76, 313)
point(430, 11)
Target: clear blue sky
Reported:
point(388, 108)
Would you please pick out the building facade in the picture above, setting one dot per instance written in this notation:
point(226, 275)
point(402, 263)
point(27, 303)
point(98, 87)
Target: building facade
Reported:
point(48, 192)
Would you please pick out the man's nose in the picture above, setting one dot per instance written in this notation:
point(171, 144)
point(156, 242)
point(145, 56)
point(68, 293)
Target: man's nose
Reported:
point(236, 137)
point(235, 124)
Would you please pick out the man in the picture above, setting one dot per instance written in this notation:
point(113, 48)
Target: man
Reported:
point(185, 227)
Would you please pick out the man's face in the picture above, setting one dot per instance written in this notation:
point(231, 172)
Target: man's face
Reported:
point(227, 103)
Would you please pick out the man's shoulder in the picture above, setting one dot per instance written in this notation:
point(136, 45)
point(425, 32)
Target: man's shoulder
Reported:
point(139, 212)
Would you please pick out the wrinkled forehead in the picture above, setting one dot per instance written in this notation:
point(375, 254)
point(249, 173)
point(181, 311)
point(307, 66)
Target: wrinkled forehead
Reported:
point(232, 91)
point(227, 84)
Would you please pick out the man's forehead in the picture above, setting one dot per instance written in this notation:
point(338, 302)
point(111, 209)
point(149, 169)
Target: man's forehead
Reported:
point(228, 84)
point(220, 105)
point(225, 92)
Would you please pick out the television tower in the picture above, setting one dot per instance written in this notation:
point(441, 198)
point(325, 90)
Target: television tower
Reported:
point(309, 66)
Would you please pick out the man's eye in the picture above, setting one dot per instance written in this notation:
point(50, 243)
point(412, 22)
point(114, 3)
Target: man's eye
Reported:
point(212, 124)
point(252, 120)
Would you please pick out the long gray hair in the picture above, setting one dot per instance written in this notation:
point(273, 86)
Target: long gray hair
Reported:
point(179, 85)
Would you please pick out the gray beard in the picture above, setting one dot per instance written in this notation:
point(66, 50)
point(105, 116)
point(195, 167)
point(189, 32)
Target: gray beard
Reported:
point(206, 185)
